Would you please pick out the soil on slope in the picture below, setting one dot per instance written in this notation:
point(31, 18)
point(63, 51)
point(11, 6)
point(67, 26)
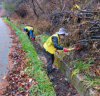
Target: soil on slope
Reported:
point(61, 86)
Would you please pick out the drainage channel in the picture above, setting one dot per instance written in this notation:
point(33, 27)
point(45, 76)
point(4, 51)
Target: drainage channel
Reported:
point(61, 86)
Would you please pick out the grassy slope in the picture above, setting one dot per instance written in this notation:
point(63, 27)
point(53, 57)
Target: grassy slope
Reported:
point(44, 86)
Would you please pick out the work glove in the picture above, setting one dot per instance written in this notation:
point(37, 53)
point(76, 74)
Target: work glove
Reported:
point(65, 50)
point(32, 38)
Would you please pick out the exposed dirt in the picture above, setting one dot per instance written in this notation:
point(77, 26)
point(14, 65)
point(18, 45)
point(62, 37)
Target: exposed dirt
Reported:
point(3, 84)
point(61, 86)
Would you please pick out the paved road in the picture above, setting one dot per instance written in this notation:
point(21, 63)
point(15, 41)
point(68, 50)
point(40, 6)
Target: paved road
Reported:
point(4, 48)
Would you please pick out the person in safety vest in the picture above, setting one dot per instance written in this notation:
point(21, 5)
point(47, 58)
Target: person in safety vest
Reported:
point(50, 46)
point(29, 31)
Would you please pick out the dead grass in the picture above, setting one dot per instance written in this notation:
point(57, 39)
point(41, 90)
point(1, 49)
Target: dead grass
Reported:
point(41, 24)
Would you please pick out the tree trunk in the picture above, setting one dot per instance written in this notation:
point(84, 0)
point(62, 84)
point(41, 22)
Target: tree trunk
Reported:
point(39, 6)
point(34, 9)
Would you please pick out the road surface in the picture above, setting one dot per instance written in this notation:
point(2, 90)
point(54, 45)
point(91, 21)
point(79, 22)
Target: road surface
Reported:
point(4, 48)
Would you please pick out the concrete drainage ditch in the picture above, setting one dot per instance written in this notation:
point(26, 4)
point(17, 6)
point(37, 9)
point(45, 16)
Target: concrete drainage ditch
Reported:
point(76, 80)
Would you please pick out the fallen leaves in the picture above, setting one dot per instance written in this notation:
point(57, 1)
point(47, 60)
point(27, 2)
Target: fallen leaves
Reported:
point(4, 77)
point(19, 82)
point(98, 71)
point(22, 73)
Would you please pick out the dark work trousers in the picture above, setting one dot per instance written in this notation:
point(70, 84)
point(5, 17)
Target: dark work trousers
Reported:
point(28, 34)
point(50, 60)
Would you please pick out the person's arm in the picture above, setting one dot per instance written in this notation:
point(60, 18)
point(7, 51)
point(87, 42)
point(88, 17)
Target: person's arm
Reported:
point(31, 33)
point(55, 43)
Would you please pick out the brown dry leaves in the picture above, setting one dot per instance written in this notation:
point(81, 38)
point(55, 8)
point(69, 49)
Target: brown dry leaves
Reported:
point(19, 82)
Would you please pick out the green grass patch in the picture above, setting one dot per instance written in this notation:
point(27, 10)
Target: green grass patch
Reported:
point(44, 86)
point(89, 80)
point(79, 66)
point(44, 38)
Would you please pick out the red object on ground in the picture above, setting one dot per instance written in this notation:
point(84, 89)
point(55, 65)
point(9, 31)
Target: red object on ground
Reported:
point(79, 46)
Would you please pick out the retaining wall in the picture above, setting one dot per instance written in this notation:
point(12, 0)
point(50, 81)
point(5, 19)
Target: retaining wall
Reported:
point(76, 80)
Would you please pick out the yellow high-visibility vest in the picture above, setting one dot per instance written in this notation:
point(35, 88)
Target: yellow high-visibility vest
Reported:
point(29, 28)
point(48, 45)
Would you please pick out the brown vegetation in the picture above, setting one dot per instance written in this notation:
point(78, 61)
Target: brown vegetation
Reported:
point(83, 25)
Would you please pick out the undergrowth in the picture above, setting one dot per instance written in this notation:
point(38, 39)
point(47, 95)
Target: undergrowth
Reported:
point(79, 66)
point(44, 86)
point(88, 80)
point(44, 38)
